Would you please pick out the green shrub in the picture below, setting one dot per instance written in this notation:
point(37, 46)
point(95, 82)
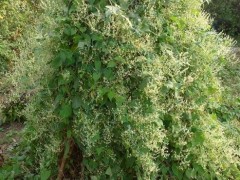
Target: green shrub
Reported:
point(124, 90)
point(226, 16)
point(16, 17)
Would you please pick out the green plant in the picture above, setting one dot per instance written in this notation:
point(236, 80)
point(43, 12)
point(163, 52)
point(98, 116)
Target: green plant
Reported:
point(126, 92)
point(225, 16)
point(16, 17)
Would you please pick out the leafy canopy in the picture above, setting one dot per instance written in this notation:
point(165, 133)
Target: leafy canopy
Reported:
point(124, 89)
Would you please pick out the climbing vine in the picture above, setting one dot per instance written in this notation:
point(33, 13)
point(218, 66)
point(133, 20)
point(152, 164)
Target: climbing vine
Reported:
point(124, 90)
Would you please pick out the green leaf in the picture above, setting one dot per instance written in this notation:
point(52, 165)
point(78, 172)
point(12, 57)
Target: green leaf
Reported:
point(176, 171)
point(66, 111)
point(111, 64)
point(96, 37)
point(97, 65)
point(102, 91)
point(119, 59)
point(214, 117)
point(84, 42)
point(119, 100)
point(81, 45)
point(58, 99)
point(130, 162)
point(62, 80)
point(76, 38)
point(109, 171)
point(164, 169)
point(198, 138)
point(45, 174)
point(212, 90)
point(76, 102)
point(70, 31)
point(99, 150)
point(96, 137)
point(82, 29)
point(198, 168)
point(96, 76)
point(111, 95)
point(94, 178)
point(190, 173)
point(62, 57)
point(108, 73)
point(59, 59)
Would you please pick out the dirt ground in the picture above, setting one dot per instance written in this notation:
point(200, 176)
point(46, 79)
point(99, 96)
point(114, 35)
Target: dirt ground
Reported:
point(9, 138)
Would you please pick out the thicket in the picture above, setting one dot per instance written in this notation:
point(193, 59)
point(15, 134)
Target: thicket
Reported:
point(16, 17)
point(124, 90)
point(226, 16)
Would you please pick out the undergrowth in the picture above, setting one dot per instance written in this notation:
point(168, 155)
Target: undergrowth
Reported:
point(124, 90)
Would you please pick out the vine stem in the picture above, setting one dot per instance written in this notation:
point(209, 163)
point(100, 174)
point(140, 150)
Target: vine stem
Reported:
point(66, 154)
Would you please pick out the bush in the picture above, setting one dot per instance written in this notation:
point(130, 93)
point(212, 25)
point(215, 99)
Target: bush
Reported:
point(226, 16)
point(124, 90)
point(16, 17)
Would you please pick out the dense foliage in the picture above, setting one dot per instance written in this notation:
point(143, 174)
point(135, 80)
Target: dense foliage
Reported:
point(16, 17)
point(123, 90)
point(226, 15)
